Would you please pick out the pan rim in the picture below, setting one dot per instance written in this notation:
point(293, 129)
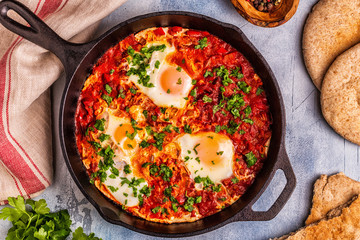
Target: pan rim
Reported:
point(109, 33)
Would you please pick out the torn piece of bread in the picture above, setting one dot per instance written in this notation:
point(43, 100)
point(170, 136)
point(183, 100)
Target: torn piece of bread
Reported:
point(331, 28)
point(341, 223)
point(331, 192)
point(340, 94)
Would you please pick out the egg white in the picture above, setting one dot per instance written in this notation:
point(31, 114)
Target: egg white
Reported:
point(198, 167)
point(157, 94)
point(122, 157)
point(128, 199)
point(112, 122)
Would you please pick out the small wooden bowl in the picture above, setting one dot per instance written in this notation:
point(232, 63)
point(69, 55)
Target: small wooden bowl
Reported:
point(280, 14)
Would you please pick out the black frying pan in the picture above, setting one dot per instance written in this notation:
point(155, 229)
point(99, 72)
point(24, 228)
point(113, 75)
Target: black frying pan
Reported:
point(78, 60)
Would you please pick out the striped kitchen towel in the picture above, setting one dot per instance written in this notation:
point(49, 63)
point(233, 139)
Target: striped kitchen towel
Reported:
point(26, 73)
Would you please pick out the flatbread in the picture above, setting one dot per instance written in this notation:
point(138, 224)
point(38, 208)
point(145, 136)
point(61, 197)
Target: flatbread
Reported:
point(332, 27)
point(341, 223)
point(329, 193)
point(340, 95)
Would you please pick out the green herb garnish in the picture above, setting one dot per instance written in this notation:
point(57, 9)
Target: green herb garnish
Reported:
point(202, 43)
point(250, 159)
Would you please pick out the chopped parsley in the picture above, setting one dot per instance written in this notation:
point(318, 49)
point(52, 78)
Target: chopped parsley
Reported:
point(216, 188)
point(164, 211)
point(196, 152)
point(178, 69)
point(133, 91)
point(121, 94)
point(208, 73)
point(193, 92)
point(167, 128)
point(149, 130)
point(159, 139)
point(202, 43)
point(146, 190)
point(144, 165)
point(168, 91)
point(247, 111)
point(217, 128)
point(157, 64)
point(107, 98)
point(244, 87)
point(259, 91)
point(156, 209)
point(139, 63)
point(127, 169)
point(235, 180)
point(224, 74)
point(220, 153)
point(236, 73)
point(167, 191)
point(176, 129)
point(111, 71)
point(207, 99)
point(189, 204)
point(108, 89)
point(153, 169)
point(187, 129)
point(205, 180)
point(193, 81)
point(95, 144)
point(179, 81)
point(231, 128)
point(174, 207)
point(250, 159)
point(87, 131)
point(100, 124)
point(248, 120)
point(113, 189)
point(103, 137)
point(161, 171)
point(145, 113)
point(234, 104)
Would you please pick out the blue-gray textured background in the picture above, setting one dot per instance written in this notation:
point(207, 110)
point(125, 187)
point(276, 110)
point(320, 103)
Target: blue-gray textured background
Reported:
point(313, 147)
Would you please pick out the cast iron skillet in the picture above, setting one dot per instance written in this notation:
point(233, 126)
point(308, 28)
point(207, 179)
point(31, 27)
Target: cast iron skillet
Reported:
point(78, 60)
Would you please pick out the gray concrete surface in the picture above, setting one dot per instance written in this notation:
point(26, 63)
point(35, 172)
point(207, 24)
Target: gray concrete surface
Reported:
point(313, 147)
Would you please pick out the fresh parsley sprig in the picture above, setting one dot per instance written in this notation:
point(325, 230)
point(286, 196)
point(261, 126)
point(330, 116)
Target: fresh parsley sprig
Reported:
point(33, 220)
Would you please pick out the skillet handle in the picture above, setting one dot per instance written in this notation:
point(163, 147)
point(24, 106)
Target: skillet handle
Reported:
point(41, 34)
point(283, 163)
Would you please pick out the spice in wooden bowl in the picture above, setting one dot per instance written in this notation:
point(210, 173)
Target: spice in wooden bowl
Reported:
point(266, 13)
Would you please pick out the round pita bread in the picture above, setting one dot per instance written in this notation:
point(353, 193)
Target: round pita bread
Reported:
point(332, 27)
point(340, 95)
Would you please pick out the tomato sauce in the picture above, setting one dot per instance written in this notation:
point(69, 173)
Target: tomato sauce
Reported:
point(251, 135)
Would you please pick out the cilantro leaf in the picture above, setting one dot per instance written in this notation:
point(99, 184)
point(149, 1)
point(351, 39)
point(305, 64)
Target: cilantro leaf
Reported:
point(107, 98)
point(108, 89)
point(79, 234)
point(36, 221)
point(250, 159)
point(202, 43)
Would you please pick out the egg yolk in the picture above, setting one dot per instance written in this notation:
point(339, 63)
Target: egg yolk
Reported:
point(120, 135)
point(209, 151)
point(172, 80)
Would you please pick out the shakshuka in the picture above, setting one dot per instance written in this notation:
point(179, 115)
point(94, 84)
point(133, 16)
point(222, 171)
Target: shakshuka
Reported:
point(173, 124)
